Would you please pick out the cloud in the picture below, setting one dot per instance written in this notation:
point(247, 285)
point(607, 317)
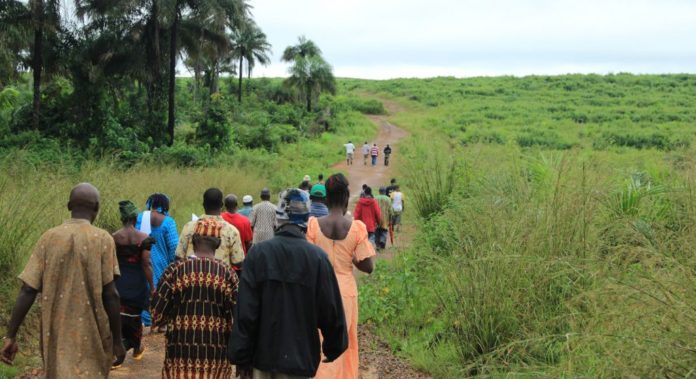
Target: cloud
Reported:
point(396, 38)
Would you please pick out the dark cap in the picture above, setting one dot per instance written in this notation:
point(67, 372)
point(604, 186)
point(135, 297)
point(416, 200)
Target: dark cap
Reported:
point(265, 192)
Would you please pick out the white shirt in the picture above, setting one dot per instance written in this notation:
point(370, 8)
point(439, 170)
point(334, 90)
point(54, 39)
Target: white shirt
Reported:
point(350, 148)
point(366, 149)
point(397, 201)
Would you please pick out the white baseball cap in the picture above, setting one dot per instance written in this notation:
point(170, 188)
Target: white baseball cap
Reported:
point(247, 199)
point(306, 178)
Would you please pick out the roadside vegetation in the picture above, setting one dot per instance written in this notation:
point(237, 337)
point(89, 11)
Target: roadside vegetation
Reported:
point(37, 178)
point(555, 227)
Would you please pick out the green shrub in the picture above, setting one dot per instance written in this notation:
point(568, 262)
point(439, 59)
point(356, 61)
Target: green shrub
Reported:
point(654, 140)
point(542, 138)
point(215, 129)
point(183, 155)
point(490, 137)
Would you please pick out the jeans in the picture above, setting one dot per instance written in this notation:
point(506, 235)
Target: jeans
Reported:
point(371, 237)
point(374, 160)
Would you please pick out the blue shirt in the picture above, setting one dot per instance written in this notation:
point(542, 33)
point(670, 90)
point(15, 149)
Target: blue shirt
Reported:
point(245, 211)
point(318, 210)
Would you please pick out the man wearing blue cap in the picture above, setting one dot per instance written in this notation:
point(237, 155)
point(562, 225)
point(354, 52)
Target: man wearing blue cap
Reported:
point(287, 294)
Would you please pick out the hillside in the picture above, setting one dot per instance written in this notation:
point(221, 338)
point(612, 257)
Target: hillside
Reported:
point(555, 223)
point(550, 219)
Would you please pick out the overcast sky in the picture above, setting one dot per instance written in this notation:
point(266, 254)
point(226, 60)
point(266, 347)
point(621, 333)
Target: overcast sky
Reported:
point(380, 39)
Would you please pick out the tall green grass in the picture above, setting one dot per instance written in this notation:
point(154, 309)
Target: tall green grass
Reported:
point(540, 261)
point(538, 267)
point(34, 195)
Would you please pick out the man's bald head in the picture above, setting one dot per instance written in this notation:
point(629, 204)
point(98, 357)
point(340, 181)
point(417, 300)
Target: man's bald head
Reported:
point(231, 203)
point(84, 201)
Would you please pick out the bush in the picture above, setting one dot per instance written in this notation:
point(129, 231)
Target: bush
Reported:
point(542, 138)
point(654, 140)
point(183, 155)
point(215, 129)
point(490, 137)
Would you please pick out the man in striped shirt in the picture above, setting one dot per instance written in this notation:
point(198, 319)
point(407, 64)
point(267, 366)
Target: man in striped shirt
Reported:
point(374, 152)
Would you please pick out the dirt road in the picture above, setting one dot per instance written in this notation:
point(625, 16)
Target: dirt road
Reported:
point(359, 173)
point(376, 360)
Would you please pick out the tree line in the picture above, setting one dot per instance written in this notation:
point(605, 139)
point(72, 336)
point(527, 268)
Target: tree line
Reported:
point(118, 54)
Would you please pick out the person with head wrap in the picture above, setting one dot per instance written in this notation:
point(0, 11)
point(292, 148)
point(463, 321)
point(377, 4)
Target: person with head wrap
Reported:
point(347, 244)
point(136, 281)
point(156, 222)
point(196, 298)
point(287, 293)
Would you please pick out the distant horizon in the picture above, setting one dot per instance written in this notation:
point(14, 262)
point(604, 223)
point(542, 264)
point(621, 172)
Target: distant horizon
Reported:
point(390, 39)
point(468, 77)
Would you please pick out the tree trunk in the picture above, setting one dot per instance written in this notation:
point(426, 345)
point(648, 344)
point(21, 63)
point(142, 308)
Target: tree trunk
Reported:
point(153, 83)
point(309, 99)
point(37, 62)
point(214, 79)
point(172, 77)
point(241, 72)
point(248, 86)
point(196, 80)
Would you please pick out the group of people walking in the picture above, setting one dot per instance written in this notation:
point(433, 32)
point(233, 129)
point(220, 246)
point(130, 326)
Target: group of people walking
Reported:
point(266, 287)
point(369, 153)
point(381, 214)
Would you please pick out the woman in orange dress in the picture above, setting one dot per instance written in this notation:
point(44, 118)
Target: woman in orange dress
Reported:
point(347, 245)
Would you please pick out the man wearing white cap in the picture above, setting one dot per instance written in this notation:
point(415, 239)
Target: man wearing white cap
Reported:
point(247, 206)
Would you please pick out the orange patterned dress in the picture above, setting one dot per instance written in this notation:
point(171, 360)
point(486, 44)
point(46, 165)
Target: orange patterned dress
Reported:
point(355, 246)
point(196, 298)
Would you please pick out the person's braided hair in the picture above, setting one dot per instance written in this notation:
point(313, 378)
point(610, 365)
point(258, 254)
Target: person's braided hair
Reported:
point(337, 192)
point(159, 202)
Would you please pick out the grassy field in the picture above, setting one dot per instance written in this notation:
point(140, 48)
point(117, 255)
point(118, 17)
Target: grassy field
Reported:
point(34, 194)
point(556, 227)
point(555, 220)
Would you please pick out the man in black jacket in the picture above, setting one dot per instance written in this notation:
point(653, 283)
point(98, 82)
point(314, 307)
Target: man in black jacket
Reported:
point(287, 293)
point(387, 153)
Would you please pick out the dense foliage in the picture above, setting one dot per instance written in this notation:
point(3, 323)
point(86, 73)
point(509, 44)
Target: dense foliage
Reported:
point(555, 227)
point(107, 86)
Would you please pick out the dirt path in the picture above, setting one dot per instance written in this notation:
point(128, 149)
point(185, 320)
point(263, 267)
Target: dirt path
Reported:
point(376, 359)
point(359, 173)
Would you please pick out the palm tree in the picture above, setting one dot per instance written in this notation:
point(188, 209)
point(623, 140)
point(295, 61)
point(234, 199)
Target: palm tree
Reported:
point(137, 45)
point(311, 76)
point(304, 48)
point(45, 19)
point(206, 19)
point(14, 39)
point(250, 43)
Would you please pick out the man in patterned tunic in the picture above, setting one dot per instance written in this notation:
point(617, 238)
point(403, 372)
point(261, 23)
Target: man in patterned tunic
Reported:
point(230, 251)
point(73, 266)
point(196, 297)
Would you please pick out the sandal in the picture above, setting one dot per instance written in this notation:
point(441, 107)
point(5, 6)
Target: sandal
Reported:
point(138, 355)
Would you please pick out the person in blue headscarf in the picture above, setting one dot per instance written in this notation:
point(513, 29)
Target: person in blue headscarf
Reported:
point(156, 222)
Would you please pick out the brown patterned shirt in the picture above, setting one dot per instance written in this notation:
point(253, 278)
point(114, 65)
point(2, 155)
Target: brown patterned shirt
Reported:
point(70, 265)
point(196, 298)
